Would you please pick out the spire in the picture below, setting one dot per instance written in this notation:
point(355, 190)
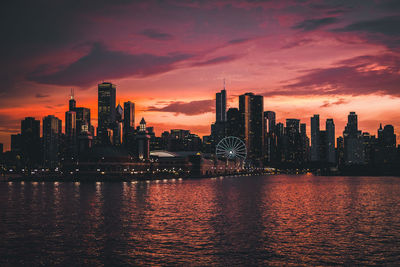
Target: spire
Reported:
point(72, 93)
point(224, 83)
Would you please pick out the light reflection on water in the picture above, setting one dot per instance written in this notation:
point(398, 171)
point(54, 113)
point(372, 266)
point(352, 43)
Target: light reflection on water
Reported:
point(272, 220)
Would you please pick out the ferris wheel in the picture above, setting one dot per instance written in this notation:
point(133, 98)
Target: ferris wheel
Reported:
point(231, 147)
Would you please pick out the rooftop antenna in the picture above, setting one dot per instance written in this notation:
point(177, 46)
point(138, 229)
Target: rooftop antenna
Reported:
point(72, 93)
point(224, 83)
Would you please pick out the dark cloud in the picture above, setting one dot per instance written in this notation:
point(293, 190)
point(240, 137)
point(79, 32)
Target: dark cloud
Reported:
point(238, 41)
point(297, 43)
point(156, 35)
point(217, 60)
point(313, 24)
point(386, 25)
point(39, 95)
point(186, 108)
point(101, 63)
point(362, 75)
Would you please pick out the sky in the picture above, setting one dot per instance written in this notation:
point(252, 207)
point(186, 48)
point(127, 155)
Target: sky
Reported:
point(170, 57)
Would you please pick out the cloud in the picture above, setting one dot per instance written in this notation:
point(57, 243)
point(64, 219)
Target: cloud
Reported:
point(297, 43)
point(217, 60)
point(238, 41)
point(186, 108)
point(340, 101)
point(386, 25)
point(313, 24)
point(101, 63)
point(364, 75)
point(156, 35)
point(39, 95)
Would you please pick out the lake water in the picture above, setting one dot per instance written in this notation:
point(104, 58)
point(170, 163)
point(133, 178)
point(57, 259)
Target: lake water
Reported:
point(260, 220)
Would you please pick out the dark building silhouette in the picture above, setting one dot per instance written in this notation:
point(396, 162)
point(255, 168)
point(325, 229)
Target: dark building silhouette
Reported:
point(293, 142)
point(51, 141)
point(70, 133)
point(83, 120)
point(106, 111)
point(233, 123)
point(315, 143)
point(330, 139)
point(129, 119)
point(218, 129)
point(270, 137)
point(305, 142)
point(270, 121)
point(30, 144)
point(118, 126)
point(251, 108)
point(16, 143)
point(220, 106)
point(142, 142)
point(353, 142)
point(72, 102)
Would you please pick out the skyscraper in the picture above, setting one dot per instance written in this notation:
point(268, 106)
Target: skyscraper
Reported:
point(353, 142)
point(220, 105)
point(269, 136)
point(251, 108)
point(72, 102)
point(51, 141)
point(129, 116)
point(315, 138)
point(30, 141)
point(269, 121)
point(233, 122)
point(118, 126)
point(70, 132)
point(293, 145)
point(330, 138)
point(106, 110)
point(82, 120)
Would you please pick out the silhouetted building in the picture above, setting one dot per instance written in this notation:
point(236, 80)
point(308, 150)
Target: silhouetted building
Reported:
point(142, 142)
point(118, 126)
point(293, 142)
point(270, 121)
point(353, 142)
point(85, 139)
point(251, 108)
point(330, 139)
point(83, 119)
point(30, 141)
point(305, 142)
point(106, 111)
point(315, 143)
point(129, 119)
point(386, 145)
point(233, 123)
point(70, 133)
point(51, 141)
point(16, 143)
point(270, 138)
point(220, 106)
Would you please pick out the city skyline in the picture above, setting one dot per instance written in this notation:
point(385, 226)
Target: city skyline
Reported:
point(304, 57)
point(307, 121)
